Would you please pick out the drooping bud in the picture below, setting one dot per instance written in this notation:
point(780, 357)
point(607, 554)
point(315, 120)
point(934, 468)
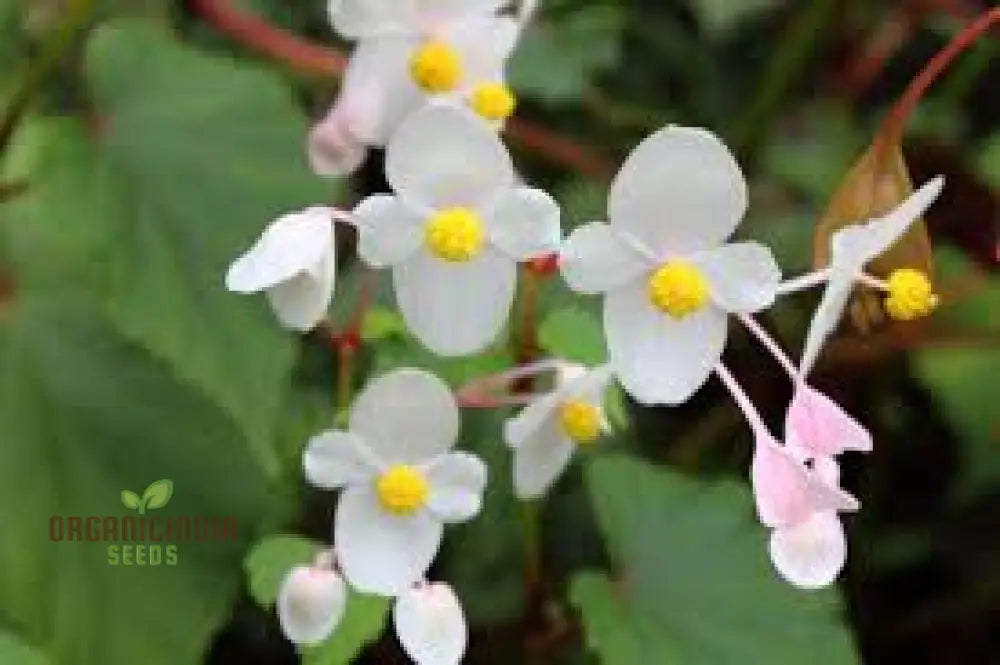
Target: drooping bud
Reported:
point(311, 603)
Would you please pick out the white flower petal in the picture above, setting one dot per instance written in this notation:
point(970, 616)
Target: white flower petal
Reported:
point(680, 190)
point(455, 309)
point(882, 233)
point(337, 144)
point(333, 459)
point(445, 156)
point(363, 18)
point(484, 43)
point(811, 554)
point(380, 552)
point(457, 481)
point(431, 11)
point(825, 320)
point(378, 85)
point(291, 245)
point(657, 358)
point(388, 230)
point(595, 259)
point(525, 223)
point(407, 416)
point(540, 459)
point(430, 625)
point(743, 277)
point(590, 386)
point(310, 604)
point(302, 302)
point(530, 419)
point(332, 149)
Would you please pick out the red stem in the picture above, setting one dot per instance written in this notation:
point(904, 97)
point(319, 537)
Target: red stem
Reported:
point(309, 58)
point(891, 132)
point(271, 41)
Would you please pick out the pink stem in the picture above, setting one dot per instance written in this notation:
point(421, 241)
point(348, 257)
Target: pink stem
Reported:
point(771, 345)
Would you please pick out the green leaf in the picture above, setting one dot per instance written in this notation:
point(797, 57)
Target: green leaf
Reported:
point(692, 582)
point(83, 413)
point(202, 153)
point(363, 622)
point(720, 17)
point(270, 560)
point(556, 60)
point(15, 652)
point(52, 239)
point(157, 494)
point(574, 334)
point(956, 376)
point(381, 323)
point(130, 500)
point(989, 159)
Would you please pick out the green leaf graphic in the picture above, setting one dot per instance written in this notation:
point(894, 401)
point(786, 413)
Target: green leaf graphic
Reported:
point(130, 500)
point(157, 494)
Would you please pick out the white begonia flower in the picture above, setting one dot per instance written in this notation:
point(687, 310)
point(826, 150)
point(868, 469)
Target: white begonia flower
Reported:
point(545, 433)
point(811, 553)
point(430, 624)
point(294, 263)
point(409, 53)
point(455, 229)
point(310, 604)
point(851, 249)
point(669, 281)
point(400, 482)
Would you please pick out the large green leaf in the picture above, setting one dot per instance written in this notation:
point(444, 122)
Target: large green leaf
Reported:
point(15, 652)
point(85, 414)
point(693, 583)
point(204, 152)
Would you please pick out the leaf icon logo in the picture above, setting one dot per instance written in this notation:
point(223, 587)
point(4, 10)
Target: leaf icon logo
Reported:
point(157, 495)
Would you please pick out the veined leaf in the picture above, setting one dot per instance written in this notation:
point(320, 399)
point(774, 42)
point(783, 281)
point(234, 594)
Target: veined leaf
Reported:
point(692, 582)
point(83, 413)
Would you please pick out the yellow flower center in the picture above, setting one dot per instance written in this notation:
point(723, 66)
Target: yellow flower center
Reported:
point(678, 289)
point(402, 490)
point(911, 295)
point(580, 421)
point(436, 67)
point(493, 101)
point(455, 234)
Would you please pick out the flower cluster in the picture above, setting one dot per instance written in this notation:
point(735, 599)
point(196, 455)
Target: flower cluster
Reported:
point(426, 82)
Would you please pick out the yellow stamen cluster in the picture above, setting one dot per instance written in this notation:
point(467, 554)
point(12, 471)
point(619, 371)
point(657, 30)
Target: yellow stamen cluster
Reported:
point(678, 288)
point(581, 421)
point(402, 490)
point(436, 67)
point(493, 101)
point(455, 234)
point(911, 295)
